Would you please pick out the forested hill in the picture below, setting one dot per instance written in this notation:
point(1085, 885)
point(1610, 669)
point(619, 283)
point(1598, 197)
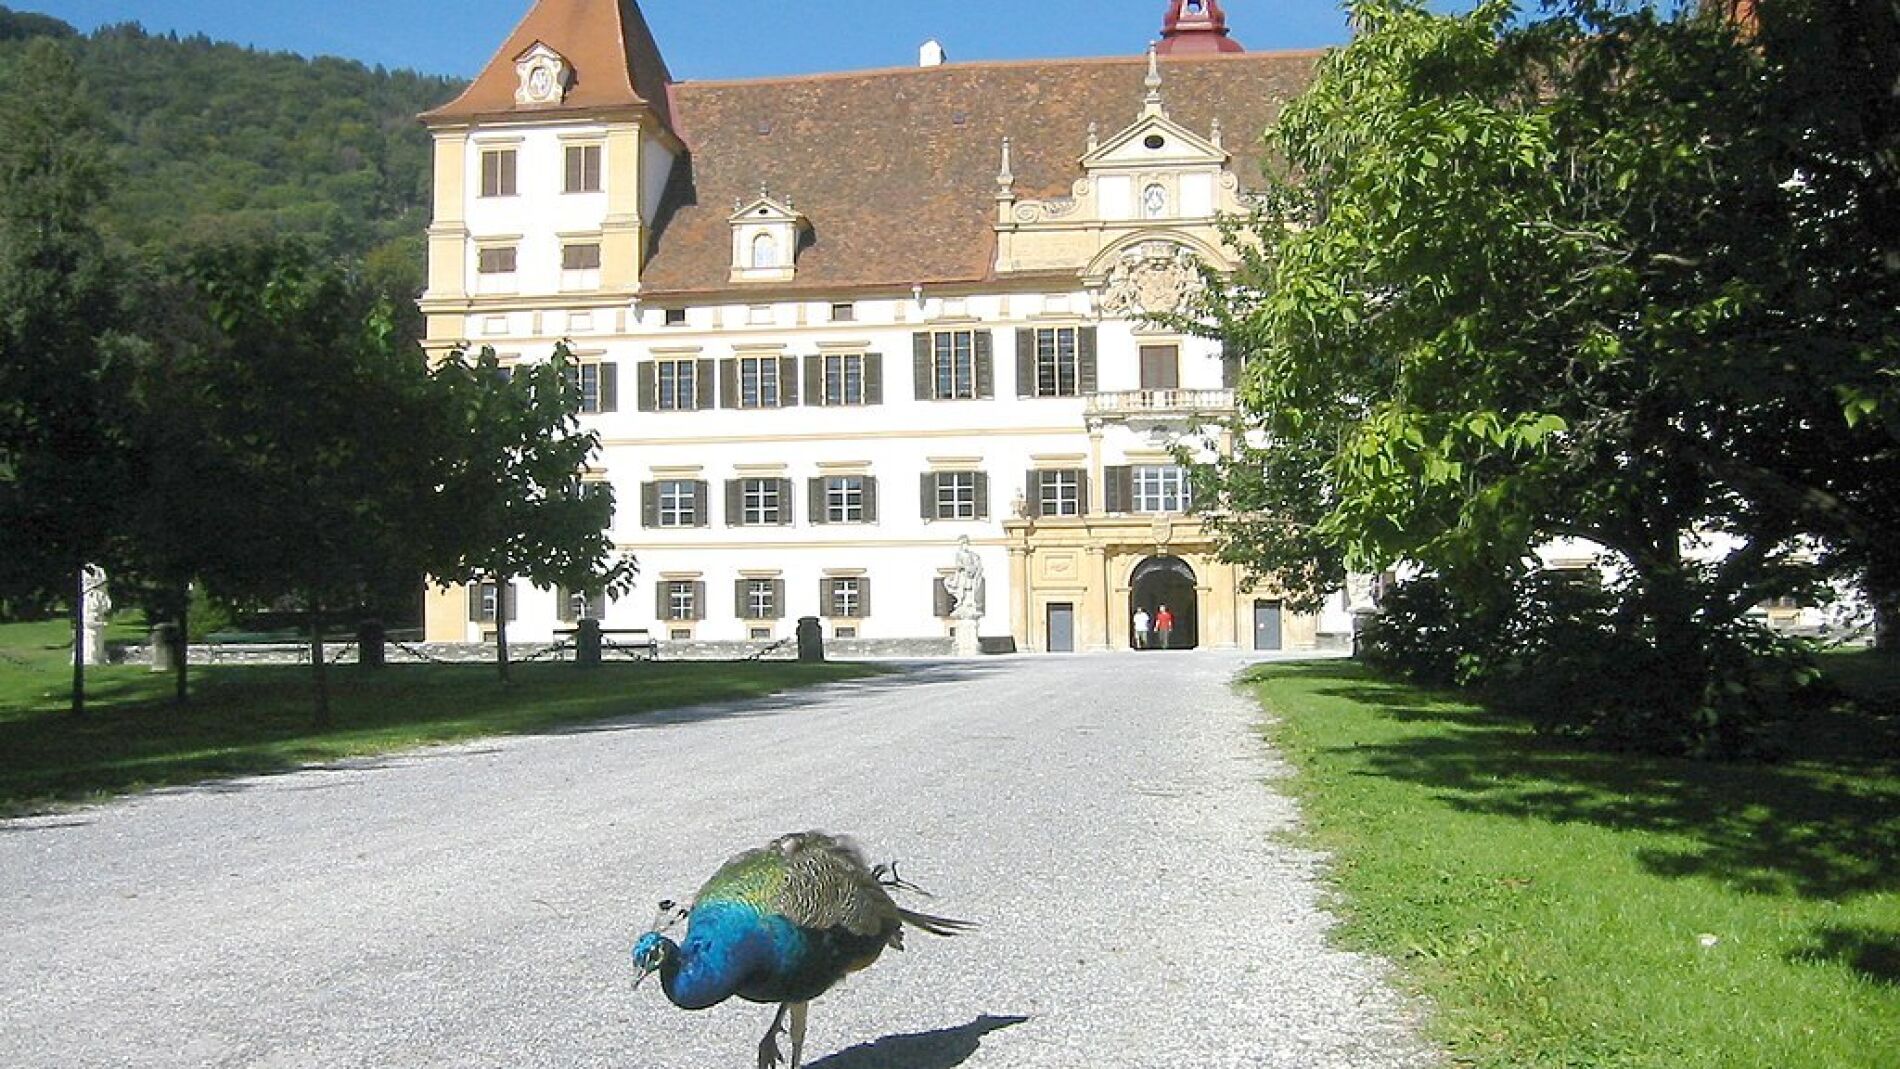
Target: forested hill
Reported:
point(213, 138)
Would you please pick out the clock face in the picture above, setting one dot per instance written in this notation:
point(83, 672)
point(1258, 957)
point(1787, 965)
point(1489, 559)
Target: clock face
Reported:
point(1154, 200)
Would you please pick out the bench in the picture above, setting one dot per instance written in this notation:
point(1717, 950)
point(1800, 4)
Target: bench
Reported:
point(624, 638)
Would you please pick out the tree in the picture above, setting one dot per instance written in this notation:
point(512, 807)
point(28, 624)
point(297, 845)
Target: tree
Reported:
point(1581, 276)
point(513, 503)
point(62, 462)
point(319, 464)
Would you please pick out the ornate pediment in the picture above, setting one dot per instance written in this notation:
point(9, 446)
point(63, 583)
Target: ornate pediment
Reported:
point(544, 77)
point(766, 234)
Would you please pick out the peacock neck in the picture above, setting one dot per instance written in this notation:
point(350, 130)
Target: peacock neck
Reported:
point(726, 945)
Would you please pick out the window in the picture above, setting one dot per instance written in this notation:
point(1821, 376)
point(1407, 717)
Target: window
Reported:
point(678, 385)
point(673, 317)
point(682, 599)
point(583, 169)
point(758, 382)
point(495, 269)
point(1160, 488)
point(759, 315)
point(673, 503)
point(758, 502)
point(576, 605)
point(580, 266)
point(764, 251)
point(1057, 493)
point(843, 499)
point(844, 312)
point(761, 599)
point(956, 495)
point(953, 365)
point(498, 172)
point(844, 379)
point(484, 600)
point(1057, 369)
point(598, 389)
point(846, 598)
point(1160, 367)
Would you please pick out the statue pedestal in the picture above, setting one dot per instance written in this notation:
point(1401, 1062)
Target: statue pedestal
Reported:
point(968, 644)
point(94, 651)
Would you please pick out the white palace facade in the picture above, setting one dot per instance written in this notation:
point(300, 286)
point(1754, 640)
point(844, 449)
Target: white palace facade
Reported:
point(832, 325)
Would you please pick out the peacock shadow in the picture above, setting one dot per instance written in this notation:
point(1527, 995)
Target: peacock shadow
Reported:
point(944, 1048)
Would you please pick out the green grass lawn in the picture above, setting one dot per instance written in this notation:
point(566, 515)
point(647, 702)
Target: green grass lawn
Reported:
point(1567, 908)
point(254, 719)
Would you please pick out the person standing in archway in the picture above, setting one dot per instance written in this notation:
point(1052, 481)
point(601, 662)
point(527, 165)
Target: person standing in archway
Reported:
point(1164, 626)
point(1141, 628)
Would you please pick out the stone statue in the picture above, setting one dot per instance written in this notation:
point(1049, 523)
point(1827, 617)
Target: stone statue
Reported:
point(94, 608)
point(965, 585)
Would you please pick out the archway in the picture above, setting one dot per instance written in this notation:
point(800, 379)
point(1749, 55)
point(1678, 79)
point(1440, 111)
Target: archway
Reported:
point(1168, 581)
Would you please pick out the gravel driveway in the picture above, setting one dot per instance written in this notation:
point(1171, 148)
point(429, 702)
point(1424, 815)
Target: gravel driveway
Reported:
point(1107, 818)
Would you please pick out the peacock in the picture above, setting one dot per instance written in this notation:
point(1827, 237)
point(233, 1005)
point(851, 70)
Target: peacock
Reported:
point(781, 923)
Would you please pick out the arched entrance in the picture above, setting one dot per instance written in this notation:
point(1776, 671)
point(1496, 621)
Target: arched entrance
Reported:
point(1168, 581)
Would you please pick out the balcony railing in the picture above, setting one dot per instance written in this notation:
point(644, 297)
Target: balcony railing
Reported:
point(1164, 403)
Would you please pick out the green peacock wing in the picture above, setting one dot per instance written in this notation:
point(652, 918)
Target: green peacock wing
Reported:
point(755, 877)
point(826, 884)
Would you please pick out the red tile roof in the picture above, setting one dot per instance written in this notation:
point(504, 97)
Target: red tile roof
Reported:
point(896, 169)
point(615, 61)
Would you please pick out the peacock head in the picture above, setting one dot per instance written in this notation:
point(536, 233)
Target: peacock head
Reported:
point(654, 949)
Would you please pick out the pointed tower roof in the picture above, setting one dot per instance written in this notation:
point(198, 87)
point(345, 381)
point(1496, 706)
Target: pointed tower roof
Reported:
point(611, 62)
point(1193, 27)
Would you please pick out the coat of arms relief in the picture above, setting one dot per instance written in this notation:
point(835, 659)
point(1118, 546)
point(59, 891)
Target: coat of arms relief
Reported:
point(1154, 278)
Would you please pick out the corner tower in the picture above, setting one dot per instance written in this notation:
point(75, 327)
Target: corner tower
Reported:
point(548, 174)
point(1195, 27)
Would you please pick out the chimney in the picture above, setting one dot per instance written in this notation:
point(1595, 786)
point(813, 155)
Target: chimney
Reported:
point(931, 54)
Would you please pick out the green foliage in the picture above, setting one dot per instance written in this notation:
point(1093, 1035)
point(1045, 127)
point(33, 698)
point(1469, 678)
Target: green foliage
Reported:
point(1562, 908)
point(1603, 273)
point(213, 138)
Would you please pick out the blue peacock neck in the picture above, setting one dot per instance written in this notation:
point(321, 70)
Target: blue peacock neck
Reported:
point(726, 946)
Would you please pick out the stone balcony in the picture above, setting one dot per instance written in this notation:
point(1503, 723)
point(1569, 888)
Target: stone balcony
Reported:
point(1161, 404)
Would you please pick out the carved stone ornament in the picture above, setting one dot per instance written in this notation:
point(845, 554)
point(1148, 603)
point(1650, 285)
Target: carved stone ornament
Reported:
point(544, 75)
point(1158, 278)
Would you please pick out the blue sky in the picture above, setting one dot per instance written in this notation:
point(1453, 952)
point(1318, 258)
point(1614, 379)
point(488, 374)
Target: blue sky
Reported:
point(708, 39)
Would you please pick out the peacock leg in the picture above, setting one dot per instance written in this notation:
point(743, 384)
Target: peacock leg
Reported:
point(798, 1031)
point(769, 1054)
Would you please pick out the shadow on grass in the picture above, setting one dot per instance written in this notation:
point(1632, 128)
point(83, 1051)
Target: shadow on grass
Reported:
point(1871, 952)
point(247, 721)
point(1823, 824)
point(945, 1048)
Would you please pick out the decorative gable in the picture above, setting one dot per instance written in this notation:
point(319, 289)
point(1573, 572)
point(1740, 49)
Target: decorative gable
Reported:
point(544, 76)
point(766, 233)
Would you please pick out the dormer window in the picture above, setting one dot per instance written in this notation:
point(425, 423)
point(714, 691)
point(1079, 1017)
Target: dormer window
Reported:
point(544, 76)
point(765, 238)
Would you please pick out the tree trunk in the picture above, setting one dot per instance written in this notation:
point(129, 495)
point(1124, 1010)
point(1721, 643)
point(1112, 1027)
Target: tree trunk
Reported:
point(181, 692)
point(79, 648)
point(501, 627)
point(317, 665)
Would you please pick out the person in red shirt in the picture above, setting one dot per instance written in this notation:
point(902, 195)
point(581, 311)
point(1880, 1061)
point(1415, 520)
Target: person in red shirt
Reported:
point(1164, 625)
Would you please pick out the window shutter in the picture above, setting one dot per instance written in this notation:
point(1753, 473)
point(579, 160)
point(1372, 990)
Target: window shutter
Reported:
point(1200, 478)
point(1032, 491)
point(1081, 492)
point(920, 365)
point(815, 501)
point(505, 592)
point(870, 499)
point(1085, 377)
point(702, 516)
point(649, 504)
point(563, 605)
point(982, 495)
point(738, 598)
point(703, 382)
point(815, 379)
point(648, 387)
point(699, 600)
point(1229, 366)
point(940, 598)
point(1119, 491)
point(864, 596)
point(609, 387)
point(825, 592)
point(778, 599)
point(787, 381)
point(985, 365)
point(474, 591)
point(873, 378)
point(927, 494)
point(728, 384)
point(662, 601)
point(785, 503)
point(735, 502)
point(1025, 362)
